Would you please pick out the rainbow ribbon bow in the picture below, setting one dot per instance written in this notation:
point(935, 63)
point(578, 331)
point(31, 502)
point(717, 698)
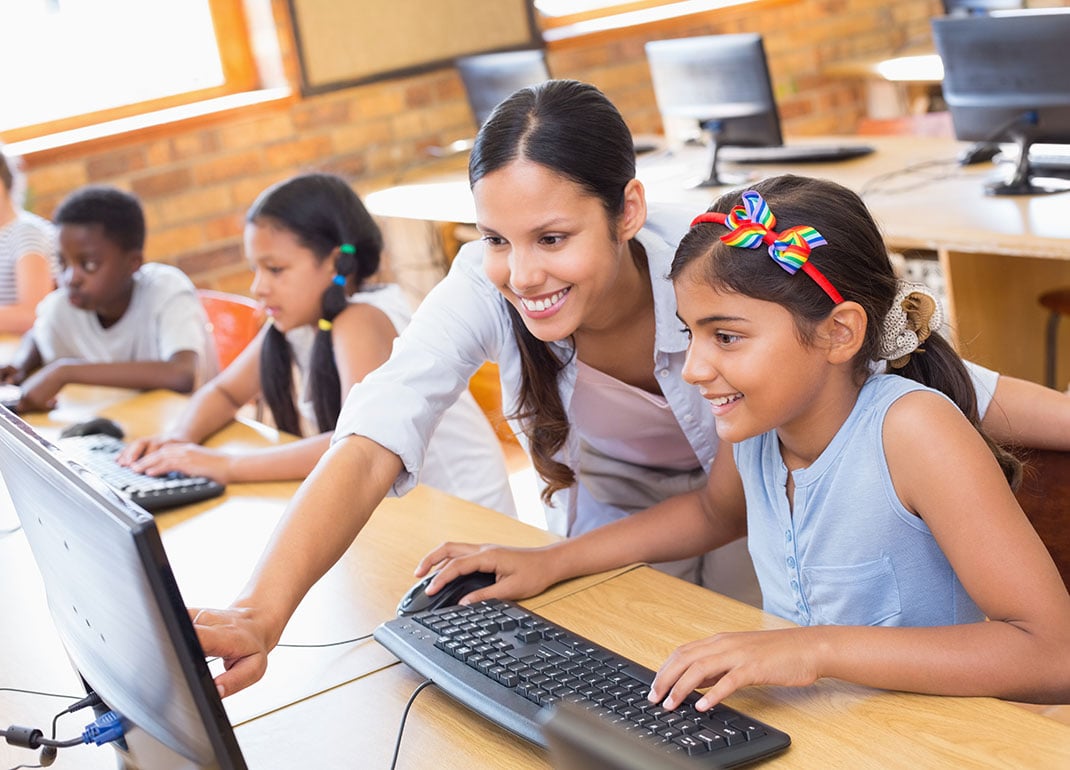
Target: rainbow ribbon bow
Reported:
point(751, 225)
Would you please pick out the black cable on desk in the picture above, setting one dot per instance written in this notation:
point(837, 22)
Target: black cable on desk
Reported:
point(39, 692)
point(31, 738)
point(404, 715)
point(354, 640)
point(947, 168)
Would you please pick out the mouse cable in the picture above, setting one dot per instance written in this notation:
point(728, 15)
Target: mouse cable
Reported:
point(404, 715)
point(948, 168)
point(354, 640)
point(24, 691)
point(10, 530)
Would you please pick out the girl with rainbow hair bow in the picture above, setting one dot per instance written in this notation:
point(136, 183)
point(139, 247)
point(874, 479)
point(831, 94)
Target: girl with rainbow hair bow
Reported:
point(568, 292)
point(880, 517)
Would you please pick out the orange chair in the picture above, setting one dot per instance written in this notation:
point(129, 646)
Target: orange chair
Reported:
point(234, 320)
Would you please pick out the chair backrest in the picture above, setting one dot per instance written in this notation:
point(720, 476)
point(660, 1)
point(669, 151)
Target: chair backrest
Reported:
point(234, 321)
point(1045, 498)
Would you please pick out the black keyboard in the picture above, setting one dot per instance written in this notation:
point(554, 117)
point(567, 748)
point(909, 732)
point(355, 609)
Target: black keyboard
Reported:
point(97, 452)
point(511, 665)
point(794, 153)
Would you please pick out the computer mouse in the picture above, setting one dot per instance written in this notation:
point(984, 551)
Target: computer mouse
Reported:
point(978, 153)
point(93, 427)
point(417, 601)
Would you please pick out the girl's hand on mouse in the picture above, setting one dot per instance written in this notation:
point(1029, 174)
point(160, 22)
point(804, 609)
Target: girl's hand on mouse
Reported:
point(726, 662)
point(520, 572)
point(234, 636)
point(188, 458)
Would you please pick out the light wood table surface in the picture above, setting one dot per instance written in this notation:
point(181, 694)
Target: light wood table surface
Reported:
point(213, 546)
point(341, 706)
point(645, 614)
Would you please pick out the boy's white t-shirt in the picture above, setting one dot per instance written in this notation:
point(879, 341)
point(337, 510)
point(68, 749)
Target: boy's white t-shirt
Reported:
point(165, 316)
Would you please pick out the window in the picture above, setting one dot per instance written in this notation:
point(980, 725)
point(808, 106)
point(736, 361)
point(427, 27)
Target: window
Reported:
point(73, 63)
point(569, 18)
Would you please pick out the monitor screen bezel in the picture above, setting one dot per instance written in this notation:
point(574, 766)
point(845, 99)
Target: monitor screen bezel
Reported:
point(490, 78)
point(673, 62)
point(1004, 81)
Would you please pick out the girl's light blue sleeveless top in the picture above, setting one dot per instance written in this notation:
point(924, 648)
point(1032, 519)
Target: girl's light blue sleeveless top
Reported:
point(851, 554)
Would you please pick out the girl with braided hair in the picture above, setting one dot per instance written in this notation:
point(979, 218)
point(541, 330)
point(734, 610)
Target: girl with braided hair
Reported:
point(314, 247)
point(880, 518)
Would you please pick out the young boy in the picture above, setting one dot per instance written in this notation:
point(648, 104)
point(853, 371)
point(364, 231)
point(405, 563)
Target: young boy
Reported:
point(115, 320)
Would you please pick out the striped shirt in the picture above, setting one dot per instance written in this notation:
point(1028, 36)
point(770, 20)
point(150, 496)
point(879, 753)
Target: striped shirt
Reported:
point(26, 234)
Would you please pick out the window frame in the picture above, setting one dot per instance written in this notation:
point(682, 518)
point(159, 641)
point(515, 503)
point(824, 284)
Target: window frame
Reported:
point(240, 74)
point(624, 14)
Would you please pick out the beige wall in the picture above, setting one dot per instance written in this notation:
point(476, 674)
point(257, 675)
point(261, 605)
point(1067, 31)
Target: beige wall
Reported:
point(196, 179)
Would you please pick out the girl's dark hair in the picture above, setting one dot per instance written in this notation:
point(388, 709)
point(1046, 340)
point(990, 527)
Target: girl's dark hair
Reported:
point(572, 129)
point(855, 261)
point(7, 171)
point(323, 213)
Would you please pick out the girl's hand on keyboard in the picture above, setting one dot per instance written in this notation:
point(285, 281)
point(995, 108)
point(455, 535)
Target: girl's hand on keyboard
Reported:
point(726, 662)
point(137, 448)
point(520, 572)
point(188, 458)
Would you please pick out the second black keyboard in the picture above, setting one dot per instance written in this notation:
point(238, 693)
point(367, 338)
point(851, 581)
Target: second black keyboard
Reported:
point(97, 452)
point(510, 664)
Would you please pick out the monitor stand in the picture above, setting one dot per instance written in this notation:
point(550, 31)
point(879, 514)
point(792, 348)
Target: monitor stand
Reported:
point(1022, 181)
point(712, 130)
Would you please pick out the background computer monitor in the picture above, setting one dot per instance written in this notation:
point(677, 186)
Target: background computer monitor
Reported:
point(1005, 81)
point(723, 83)
point(490, 78)
point(115, 604)
point(979, 7)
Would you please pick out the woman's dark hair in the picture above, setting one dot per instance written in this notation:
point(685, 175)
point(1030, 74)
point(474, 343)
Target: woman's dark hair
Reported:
point(324, 214)
point(855, 261)
point(572, 129)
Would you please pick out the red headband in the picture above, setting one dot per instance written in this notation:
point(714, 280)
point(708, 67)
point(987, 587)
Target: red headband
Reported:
point(751, 225)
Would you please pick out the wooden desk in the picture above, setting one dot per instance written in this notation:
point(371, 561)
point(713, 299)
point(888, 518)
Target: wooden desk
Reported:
point(832, 724)
point(212, 547)
point(341, 707)
point(998, 253)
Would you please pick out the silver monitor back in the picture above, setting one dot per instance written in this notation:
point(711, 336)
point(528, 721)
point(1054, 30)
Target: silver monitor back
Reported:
point(117, 609)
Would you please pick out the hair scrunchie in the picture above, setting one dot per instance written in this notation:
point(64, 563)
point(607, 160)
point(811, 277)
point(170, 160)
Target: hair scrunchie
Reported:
point(914, 315)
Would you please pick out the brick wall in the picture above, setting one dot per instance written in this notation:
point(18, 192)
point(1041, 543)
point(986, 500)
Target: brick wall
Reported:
point(197, 179)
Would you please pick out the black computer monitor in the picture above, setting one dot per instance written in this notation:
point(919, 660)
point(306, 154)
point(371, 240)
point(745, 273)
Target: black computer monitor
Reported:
point(579, 740)
point(117, 609)
point(1005, 81)
point(490, 78)
point(723, 83)
point(980, 7)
